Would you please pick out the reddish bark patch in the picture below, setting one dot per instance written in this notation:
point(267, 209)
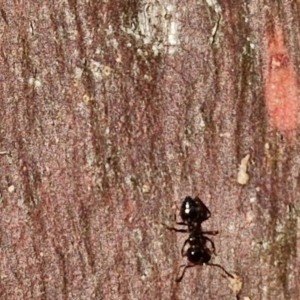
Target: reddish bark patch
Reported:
point(281, 88)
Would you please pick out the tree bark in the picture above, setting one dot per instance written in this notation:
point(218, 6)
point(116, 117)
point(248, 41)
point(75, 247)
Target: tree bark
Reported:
point(113, 112)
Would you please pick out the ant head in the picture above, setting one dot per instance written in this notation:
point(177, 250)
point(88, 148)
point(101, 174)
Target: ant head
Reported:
point(194, 211)
point(198, 255)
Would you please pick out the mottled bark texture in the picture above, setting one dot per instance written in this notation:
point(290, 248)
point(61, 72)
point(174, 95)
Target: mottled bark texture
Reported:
point(113, 111)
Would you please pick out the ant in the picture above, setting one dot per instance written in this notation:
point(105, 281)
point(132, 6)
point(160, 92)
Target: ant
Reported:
point(193, 213)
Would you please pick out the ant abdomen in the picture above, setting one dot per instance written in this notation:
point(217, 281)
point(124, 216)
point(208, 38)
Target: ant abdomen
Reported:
point(198, 255)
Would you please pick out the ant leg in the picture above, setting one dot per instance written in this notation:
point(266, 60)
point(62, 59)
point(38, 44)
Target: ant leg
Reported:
point(178, 223)
point(219, 266)
point(182, 249)
point(211, 243)
point(178, 279)
point(212, 232)
point(174, 229)
point(181, 223)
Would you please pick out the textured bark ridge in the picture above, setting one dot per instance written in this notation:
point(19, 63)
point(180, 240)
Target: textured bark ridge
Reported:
point(113, 112)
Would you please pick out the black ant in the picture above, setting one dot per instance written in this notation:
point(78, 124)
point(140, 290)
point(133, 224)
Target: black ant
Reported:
point(193, 213)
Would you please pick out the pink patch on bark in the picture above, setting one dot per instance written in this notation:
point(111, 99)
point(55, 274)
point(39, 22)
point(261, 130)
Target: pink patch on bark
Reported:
point(281, 88)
